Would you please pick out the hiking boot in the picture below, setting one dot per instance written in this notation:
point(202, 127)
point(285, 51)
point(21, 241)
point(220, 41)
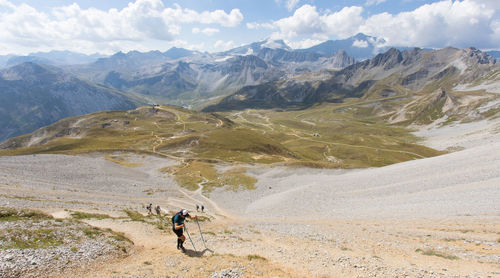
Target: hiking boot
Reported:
point(183, 249)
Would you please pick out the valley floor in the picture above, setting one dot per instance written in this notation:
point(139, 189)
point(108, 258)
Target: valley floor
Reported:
point(435, 217)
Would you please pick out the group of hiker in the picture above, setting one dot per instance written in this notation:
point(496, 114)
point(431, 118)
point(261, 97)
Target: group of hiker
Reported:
point(150, 209)
point(200, 206)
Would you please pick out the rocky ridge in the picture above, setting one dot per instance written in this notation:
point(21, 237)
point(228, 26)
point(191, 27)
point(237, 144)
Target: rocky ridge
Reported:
point(50, 247)
point(36, 95)
point(399, 77)
point(198, 77)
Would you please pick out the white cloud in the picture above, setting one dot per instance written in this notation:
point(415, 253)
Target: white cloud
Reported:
point(249, 52)
point(303, 43)
point(344, 23)
point(360, 43)
point(206, 31)
point(444, 23)
point(149, 24)
point(232, 19)
point(307, 21)
point(459, 23)
point(186, 45)
point(290, 4)
point(179, 43)
point(221, 45)
point(495, 36)
point(374, 2)
point(256, 25)
point(199, 47)
point(24, 27)
point(493, 4)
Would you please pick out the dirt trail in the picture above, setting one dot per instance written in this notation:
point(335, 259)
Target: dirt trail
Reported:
point(296, 133)
point(267, 246)
point(154, 255)
point(199, 198)
point(352, 146)
point(376, 248)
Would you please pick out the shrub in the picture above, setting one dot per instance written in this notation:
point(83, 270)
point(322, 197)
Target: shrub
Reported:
point(256, 257)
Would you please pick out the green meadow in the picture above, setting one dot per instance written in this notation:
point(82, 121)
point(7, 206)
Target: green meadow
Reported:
point(324, 136)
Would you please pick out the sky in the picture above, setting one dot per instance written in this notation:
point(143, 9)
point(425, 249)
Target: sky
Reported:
point(106, 27)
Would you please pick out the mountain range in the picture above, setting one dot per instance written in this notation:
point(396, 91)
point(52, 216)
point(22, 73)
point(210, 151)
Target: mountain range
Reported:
point(401, 86)
point(193, 78)
point(45, 87)
point(34, 95)
point(360, 46)
point(55, 57)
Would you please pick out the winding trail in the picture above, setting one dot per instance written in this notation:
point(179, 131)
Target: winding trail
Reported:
point(287, 243)
point(295, 133)
point(358, 146)
point(198, 198)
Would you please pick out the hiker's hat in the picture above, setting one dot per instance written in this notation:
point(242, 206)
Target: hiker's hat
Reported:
point(184, 212)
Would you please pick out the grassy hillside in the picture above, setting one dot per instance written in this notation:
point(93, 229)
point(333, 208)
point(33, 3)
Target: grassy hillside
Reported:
point(33, 96)
point(317, 137)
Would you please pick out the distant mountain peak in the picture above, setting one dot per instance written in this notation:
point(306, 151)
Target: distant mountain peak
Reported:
point(275, 44)
point(182, 66)
point(479, 56)
point(40, 95)
point(118, 54)
point(29, 65)
point(27, 71)
point(359, 46)
point(258, 46)
point(177, 52)
point(360, 36)
point(54, 57)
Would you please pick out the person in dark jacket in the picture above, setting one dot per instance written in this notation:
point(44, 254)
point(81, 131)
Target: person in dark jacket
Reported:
point(178, 227)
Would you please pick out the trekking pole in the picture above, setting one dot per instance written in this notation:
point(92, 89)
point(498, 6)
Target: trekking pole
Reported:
point(186, 229)
point(201, 234)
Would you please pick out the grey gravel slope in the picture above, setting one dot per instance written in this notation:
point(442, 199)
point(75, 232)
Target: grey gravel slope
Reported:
point(460, 183)
point(82, 182)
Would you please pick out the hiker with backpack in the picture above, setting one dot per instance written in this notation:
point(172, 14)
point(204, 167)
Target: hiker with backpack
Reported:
point(178, 227)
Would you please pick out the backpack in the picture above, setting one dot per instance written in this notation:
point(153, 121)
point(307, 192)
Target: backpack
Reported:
point(173, 225)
